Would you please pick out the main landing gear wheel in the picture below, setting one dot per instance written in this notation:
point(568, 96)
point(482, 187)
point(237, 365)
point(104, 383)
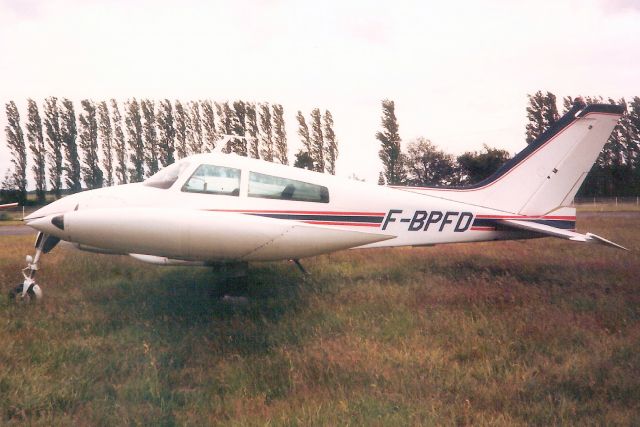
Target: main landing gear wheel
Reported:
point(33, 294)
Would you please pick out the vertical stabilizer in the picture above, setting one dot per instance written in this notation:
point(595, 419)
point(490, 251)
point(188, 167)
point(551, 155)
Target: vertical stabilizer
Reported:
point(548, 172)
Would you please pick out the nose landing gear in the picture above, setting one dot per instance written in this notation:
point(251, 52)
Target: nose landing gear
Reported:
point(29, 291)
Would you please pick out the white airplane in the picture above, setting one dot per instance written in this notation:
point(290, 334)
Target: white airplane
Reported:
point(217, 208)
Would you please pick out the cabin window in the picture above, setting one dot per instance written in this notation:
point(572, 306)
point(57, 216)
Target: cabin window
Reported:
point(212, 179)
point(167, 176)
point(273, 187)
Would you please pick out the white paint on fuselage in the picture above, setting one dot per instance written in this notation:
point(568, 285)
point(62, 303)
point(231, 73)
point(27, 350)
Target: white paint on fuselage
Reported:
point(137, 218)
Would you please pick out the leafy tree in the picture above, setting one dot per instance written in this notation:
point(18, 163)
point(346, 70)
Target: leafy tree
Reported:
point(478, 165)
point(634, 116)
point(15, 141)
point(550, 115)
point(267, 132)
point(239, 117)
point(613, 153)
point(209, 125)
point(225, 118)
point(303, 157)
point(634, 120)
point(225, 122)
point(167, 133)
point(181, 119)
point(568, 102)
point(303, 160)
point(194, 125)
point(106, 136)
point(381, 179)
point(317, 140)
point(9, 191)
point(54, 144)
point(119, 143)
point(38, 150)
point(303, 132)
point(252, 130)
point(280, 134)
point(331, 146)
point(133, 121)
point(542, 113)
point(238, 127)
point(427, 165)
point(627, 144)
point(91, 171)
point(390, 152)
point(69, 134)
point(150, 136)
point(614, 173)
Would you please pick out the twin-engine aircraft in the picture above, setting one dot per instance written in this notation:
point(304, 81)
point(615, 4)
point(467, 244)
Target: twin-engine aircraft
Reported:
point(217, 208)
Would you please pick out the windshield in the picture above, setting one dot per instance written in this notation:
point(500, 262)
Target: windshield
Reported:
point(167, 176)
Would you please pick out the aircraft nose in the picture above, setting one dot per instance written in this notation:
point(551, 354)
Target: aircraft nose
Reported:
point(63, 205)
point(53, 225)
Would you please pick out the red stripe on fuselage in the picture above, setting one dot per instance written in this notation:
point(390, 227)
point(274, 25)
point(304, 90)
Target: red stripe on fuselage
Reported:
point(549, 217)
point(349, 224)
point(378, 214)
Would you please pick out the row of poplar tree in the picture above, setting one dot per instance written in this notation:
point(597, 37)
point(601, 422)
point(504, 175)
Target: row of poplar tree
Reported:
point(99, 147)
point(615, 173)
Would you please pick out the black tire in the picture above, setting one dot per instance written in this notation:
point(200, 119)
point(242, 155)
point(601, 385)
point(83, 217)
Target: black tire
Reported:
point(15, 292)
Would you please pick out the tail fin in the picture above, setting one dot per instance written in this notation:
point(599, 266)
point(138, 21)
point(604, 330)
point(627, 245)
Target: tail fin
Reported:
point(548, 172)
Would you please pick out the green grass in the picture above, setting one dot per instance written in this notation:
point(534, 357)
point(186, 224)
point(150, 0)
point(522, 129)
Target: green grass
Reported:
point(542, 332)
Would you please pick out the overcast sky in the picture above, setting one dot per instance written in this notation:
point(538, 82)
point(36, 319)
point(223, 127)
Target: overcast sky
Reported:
point(458, 71)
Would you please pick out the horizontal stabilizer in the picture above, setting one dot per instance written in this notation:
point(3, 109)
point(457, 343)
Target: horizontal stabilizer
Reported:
point(547, 230)
point(603, 241)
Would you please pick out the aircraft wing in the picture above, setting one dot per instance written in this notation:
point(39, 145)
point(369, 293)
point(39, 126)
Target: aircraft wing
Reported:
point(547, 230)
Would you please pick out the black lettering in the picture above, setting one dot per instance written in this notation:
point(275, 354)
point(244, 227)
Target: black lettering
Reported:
point(390, 218)
point(447, 220)
point(459, 227)
point(417, 222)
point(434, 217)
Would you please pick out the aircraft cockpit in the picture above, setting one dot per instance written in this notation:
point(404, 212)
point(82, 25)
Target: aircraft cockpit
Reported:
point(167, 176)
point(209, 178)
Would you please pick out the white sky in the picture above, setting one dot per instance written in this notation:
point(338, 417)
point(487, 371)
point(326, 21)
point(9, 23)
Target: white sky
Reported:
point(458, 71)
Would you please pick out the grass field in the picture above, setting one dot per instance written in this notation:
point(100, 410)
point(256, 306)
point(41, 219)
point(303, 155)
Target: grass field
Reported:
point(541, 332)
point(608, 207)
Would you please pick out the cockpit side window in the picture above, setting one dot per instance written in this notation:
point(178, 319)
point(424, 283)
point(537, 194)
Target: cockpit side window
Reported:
point(213, 179)
point(166, 177)
point(273, 187)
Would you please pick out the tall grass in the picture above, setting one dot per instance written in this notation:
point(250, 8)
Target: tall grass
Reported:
point(538, 332)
